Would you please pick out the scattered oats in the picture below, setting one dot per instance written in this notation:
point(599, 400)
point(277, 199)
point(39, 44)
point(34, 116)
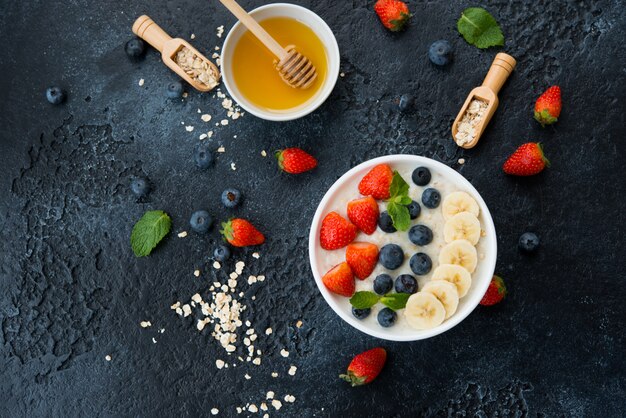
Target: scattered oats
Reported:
point(196, 273)
point(224, 288)
point(185, 94)
point(162, 330)
point(141, 81)
point(220, 31)
point(251, 279)
point(260, 278)
point(241, 295)
point(145, 324)
point(227, 103)
point(182, 234)
point(247, 376)
point(248, 323)
point(256, 361)
point(189, 128)
point(230, 348)
point(232, 165)
point(200, 325)
point(253, 408)
point(221, 149)
point(186, 310)
point(292, 370)
point(239, 410)
point(461, 161)
point(342, 74)
point(215, 55)
point(214, 411)
point(232, 283)
point(210, 134)
point(270, 395)
point(107, 357)
point(268, 331)
point(219, 363)
point(263, 406)
point(205, 117)
point(196, 298)
point(193, 36)
point(224, 122)
point(299, 324)
point(199, 111)
point(274, 374)
point(290, 398)
point(233, 275)
point(154, 340)
point(176, 305)
point(253, 298)
point(284, 353)
point(256, 255)
point(202, 136)
point(217, 265)
point(239, 266)
point(253, 338)
point(246, 341)
point(217, 48)
point(277, 404)
point(264, 154)
point(179, 311)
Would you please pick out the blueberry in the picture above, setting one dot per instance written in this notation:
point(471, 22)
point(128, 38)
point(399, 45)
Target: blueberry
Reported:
point(231, 198)
point(391, 256)
point(361, 313)
point(174, 90)
point(414, 209)
point(440, 52)
point(405, 283)
point(201, 221)
point(383, 284)
point(386, 317)
point(203, 156)
point(421, 176)
point(385, 223)
point(221, 253)
point(406, 103)
point(420, 264)
point(135, 48)
point(420, 235)
point(431, 198)
point(55, 95)
point(528, 242)
point(140, 186)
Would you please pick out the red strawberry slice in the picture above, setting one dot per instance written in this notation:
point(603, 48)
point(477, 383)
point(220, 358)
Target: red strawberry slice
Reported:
point(336, 232)
point(376, 183)
point(364, 214)
point(362, 258)
point(340, 280)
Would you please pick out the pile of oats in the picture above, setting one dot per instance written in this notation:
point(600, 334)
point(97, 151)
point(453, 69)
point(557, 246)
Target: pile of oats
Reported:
point(197, 68)
point(466, 129)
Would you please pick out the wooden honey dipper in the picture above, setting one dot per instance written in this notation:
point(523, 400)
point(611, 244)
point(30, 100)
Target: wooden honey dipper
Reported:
point(294, 68)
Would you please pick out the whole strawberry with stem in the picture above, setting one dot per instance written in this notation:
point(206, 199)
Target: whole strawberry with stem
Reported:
point(527, 160)
point(548, 106)
point(394, 14)
point(295, 160)
point(241, 233)
point(365, 367)
point(495, 292)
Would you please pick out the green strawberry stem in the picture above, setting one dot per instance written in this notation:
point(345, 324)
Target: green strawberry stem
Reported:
point(353, 379)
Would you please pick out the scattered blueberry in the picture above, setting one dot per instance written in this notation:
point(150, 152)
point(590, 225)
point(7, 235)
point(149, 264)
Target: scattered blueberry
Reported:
point(386, 223)
point(405, 283)
point(414, 209)
point(528, 242)
point(421, 176)
point(175, 90)
point(406, 103)
point(221, 253)
point(383, 284)
point(440, 52)
point(420, 264)
point(431, 198)
point(135, 48)
point(203, 156)
point(420, 235)
point(140, 186)
point(391, 256)
point(386, 317)
point(231, 198)
point(361, 313)
point(201, 221)
point(55, 95)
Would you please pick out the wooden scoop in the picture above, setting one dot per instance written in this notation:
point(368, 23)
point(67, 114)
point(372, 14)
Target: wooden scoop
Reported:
point(294, 68)
point(499, 71)
point(179, 55)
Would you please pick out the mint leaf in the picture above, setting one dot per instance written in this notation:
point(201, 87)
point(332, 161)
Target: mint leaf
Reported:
point(403, 200)
point(149, 231)
point(364, 300)
point(399, 215)
point(398, 186)
point(479, 28)
point(395, 301)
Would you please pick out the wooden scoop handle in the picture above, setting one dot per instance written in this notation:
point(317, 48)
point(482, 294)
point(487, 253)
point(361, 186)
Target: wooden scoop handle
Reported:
point(499, 71)
point(255, 28)
point(145, 28)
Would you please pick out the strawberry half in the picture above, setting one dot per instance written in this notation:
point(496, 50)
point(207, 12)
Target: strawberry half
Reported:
point(295, 161)
point(495, 292)
point(548, 106)
point(364, 214)
point(365, 367)
point(340, 280)
point(376, 183)
point(394, 14)
point(362, 258)
point(241, 233)
point(336, 232)
point(527, 160)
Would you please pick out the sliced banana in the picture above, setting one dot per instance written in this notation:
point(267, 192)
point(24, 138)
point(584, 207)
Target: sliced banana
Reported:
point(458, 202)
point(454, 274)
point(446, 293)
point(424, 311)
point(463, 225)
point(460, 252)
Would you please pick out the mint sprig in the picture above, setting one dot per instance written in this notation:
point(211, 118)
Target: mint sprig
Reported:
point(396, 204)
point(479, 28)
point(149, 231)
point(365, 300)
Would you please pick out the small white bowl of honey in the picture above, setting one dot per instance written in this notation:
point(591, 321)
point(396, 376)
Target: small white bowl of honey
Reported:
point(248, 70)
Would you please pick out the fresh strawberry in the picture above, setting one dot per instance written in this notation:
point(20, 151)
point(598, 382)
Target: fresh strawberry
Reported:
point(365, 367)
point(241, 233)
point(495, 292)
point(340, 280)
point(527, 160)
point(364, 214)
point(394, 14)
point(362, 258)
point(548, 106)
point(376, 183)
point(295, 161)
point(336, 232)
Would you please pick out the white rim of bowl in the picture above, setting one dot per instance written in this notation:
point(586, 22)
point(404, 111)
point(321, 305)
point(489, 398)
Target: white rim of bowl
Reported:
point(322, 95)
point(492, 249)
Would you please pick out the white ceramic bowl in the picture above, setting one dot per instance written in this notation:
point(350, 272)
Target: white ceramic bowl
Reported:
point(320, 28)
point(444, 178)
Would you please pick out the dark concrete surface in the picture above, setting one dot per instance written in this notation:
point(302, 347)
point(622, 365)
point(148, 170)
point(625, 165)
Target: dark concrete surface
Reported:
point(72, 292)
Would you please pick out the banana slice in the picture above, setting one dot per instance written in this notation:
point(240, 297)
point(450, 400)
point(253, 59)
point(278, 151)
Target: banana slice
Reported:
point(463, 225)
point(446, 293)
point(424, 311)
point(458, 202)
point(460, 252)
point(454, 274)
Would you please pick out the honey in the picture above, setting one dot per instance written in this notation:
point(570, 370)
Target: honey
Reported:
point(253, 65)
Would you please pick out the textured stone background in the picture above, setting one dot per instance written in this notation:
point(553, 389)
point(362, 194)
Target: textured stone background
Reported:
point(72, 292)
